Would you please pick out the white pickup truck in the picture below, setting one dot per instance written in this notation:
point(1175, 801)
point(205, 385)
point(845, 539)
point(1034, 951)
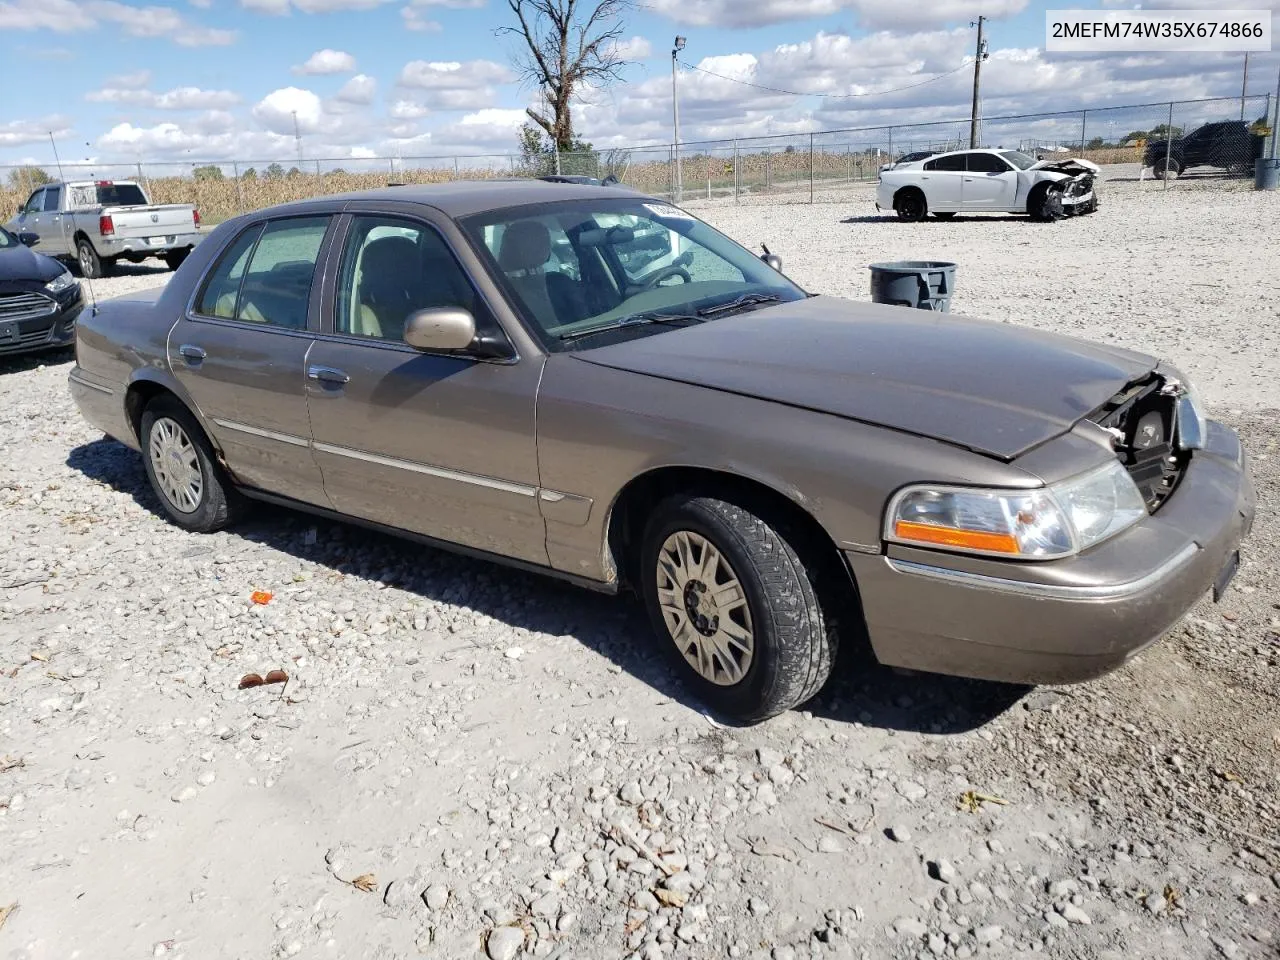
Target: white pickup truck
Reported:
point(98, 222)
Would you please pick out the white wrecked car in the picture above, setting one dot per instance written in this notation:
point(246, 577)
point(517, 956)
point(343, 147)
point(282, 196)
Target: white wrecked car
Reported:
point(989, 181)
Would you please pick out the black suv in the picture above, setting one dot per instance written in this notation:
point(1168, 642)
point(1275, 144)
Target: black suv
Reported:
point(1228, 145)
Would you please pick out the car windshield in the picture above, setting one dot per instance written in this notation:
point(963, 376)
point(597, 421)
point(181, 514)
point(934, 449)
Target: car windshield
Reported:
point(1018, 159)
point(623, 266)
point(7, 239)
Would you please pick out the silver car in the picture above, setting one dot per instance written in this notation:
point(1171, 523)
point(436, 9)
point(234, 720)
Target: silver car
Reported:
point(599, 386)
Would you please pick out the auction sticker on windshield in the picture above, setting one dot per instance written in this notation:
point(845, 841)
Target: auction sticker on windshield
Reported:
point(1144, 31)
point(666, 210)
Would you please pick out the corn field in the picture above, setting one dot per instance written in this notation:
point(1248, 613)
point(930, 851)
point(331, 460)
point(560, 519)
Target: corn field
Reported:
point(790, 166)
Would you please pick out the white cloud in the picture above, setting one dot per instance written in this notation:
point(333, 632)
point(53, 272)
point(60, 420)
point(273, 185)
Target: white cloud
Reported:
point(634, 48)
point(362, 153)
point(276, 111)
point(415, 20)
point(870, 13)
point(360, 89)
point(67, 16)
point(326, 61)
point(130, 81)
point(408, 110)
point(15, 133)
point(282, 7)
point(181, 98)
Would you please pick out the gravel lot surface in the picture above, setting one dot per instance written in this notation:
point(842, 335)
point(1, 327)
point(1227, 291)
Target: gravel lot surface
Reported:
point(470, 762)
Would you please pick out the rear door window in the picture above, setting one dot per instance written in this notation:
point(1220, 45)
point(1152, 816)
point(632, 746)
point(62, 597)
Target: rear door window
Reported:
point(955, 163)
point(274, 289)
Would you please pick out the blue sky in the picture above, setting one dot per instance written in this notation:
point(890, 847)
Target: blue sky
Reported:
point(220, 79)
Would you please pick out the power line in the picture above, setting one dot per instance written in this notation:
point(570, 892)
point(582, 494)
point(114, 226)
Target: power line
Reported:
point(827, 96)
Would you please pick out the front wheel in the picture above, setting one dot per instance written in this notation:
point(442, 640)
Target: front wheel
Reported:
point(1174, 170)
point(735, 605)
point(183, 471)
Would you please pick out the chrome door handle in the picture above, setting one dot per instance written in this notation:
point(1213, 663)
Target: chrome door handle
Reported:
point(192, 352)
point(327, 375)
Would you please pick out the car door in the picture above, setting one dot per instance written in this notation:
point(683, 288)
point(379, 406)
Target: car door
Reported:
point(240, 352)
point(31, 214)
point(990, 183)
point(52, 242)
point(441, 444)
point(942, 183)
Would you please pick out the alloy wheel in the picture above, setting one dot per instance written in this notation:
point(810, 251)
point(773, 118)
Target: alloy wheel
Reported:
point(176, 465)
point(705, 608)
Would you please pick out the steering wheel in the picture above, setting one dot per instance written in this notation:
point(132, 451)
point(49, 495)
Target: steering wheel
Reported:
point(658, 276)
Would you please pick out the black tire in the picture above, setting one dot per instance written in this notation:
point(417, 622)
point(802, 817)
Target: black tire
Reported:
point(910, 205)
point(944, 216)
point(794, 641)
point(88, 260)
point(1045, 204)
point(219, 504)
point(1175, 168)
point(174, 258)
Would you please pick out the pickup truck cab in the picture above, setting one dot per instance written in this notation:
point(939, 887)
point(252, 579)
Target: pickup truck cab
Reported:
point(98, 222)
point(1229, 145)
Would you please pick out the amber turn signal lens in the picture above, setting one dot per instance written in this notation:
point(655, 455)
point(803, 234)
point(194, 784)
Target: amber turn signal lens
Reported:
point(951, 537)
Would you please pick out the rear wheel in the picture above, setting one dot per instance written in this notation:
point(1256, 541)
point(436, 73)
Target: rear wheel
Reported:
point(88, 260)
point(734, 604)
point(910, 204)
point(182, 468)
point(174, 258)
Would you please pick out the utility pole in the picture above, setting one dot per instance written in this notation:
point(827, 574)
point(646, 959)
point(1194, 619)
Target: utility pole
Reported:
point(675, 116)
point(1244, 83)
point(297, 137)
point(980, 54)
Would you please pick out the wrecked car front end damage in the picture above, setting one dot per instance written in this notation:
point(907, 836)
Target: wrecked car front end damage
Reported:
point(1073, 186)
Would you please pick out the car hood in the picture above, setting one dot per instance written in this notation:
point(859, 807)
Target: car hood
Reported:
point(1072, 165)
point(22, 263)
point(995, 388)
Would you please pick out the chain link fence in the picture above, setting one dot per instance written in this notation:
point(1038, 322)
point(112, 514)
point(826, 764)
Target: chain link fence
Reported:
point(1213, 141)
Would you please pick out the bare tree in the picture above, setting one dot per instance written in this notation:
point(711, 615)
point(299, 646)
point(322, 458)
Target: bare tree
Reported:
point(569, 43)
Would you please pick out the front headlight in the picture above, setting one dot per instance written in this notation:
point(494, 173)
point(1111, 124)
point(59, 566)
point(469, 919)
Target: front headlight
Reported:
point(1041, 524)
point(1191, 423)
point(61, 282)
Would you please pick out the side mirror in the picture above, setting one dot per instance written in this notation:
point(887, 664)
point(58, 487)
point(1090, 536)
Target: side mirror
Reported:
point(28, 239)
point(440, 328)
point(772, 259)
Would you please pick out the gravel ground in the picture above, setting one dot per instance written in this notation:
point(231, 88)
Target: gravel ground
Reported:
point(470, 762)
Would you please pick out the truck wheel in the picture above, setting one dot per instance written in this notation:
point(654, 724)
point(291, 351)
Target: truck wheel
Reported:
point(174, 258)
point(89, 261)
point(735, 606)
point(1175, 169)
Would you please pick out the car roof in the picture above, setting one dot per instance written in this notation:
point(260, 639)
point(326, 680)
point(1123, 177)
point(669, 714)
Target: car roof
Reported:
point(461, 198)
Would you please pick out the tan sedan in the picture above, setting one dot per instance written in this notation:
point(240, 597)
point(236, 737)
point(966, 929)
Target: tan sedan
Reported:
point(595, 384)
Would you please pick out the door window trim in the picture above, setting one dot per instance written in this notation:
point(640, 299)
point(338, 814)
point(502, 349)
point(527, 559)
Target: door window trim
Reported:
point(322, 256)
point(328, 331)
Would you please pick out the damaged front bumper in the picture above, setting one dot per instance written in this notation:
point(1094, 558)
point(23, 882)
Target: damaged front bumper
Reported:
point(1070, 620)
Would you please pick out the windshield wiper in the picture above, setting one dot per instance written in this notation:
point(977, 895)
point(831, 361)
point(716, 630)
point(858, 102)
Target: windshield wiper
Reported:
point(749, 300)
point(633, 320)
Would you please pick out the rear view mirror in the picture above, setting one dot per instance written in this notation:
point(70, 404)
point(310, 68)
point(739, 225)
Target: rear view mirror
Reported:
point(28, 239)
point(440, 328)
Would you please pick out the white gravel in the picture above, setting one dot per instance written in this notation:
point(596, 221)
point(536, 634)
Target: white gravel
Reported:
point(416, 790)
